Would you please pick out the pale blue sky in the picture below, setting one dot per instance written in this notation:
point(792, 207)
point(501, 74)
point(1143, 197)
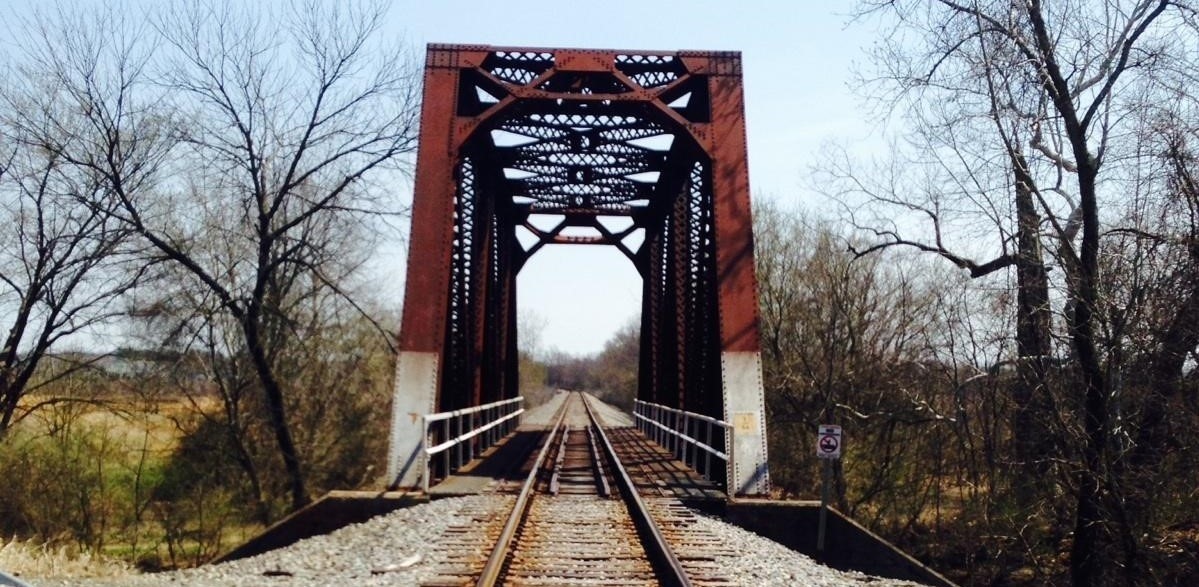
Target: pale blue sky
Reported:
point(797, 62)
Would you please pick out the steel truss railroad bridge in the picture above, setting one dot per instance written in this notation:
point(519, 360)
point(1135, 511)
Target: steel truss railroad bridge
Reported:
point(640, 150)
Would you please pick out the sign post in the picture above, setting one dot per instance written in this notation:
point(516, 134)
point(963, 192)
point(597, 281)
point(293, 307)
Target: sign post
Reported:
point(828, 449)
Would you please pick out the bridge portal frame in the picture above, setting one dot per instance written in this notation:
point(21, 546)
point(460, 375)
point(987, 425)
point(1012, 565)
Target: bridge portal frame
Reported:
point(696, 97)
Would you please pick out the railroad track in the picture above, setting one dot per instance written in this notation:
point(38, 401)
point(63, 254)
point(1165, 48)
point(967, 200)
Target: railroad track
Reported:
point(578, 519)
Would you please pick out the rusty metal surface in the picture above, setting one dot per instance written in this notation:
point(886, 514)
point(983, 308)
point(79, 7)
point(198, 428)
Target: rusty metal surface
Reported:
point(643, 151)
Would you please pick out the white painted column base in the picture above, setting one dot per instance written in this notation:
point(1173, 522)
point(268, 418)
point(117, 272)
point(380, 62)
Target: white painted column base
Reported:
point(745, 409)
point(415, 396)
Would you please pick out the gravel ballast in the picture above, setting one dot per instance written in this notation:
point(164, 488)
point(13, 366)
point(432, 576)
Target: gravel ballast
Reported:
point(393, 549)
point(400, 548)
point(762, 562)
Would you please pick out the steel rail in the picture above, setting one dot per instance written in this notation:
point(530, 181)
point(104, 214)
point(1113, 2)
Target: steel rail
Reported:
point(600, 478)
point(558, 462)
point(662, 557)
point(499, 554)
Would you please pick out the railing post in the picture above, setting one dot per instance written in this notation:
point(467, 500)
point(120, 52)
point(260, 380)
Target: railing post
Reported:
point(665, 427)
point(426, 458)
point(461, 449)
point(661, 429)
point(651, 431)
point(663, 419)
point(652, 414)
point(708, 454)
point(681, 443)
point(654, 418)
point(674, 437)
point(674, 425)
point(730, 484)
point(687, 432)
point(658, 429)
point(456, 450)
point(446, 459)
point(474, 442)
point(678, 436)
point(679, 420)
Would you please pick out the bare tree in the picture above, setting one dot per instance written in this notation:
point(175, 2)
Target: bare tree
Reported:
point(1054, 81)
point(286, 141)
point(62, 266)
point(278, 119)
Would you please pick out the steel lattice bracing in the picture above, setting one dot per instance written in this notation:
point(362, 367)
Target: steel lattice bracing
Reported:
point(643, 151)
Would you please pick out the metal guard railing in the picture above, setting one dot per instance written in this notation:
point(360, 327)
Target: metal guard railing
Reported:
point(488, 422)
point(678, 431)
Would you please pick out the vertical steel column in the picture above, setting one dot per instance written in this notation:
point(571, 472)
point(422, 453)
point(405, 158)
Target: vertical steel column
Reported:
point(680, 280)
point(653, 383)
point(501, 351)
point(420, 363)
point(703, 391)
point(422, 328)
point(482, 292)
point(741, 361)
point(511, 361)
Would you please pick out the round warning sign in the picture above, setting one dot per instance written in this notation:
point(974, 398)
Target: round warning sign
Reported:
point(828, 441)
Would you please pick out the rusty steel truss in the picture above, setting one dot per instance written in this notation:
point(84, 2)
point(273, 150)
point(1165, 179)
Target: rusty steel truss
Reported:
point(640, 150)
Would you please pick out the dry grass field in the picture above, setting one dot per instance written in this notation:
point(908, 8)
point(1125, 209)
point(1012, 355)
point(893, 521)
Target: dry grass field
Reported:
point(26, 559)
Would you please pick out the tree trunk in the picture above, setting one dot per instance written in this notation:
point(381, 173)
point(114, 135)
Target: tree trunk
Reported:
point(1086, 556)
point(8, 405)
point(1030, 436)
point(273, 393)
